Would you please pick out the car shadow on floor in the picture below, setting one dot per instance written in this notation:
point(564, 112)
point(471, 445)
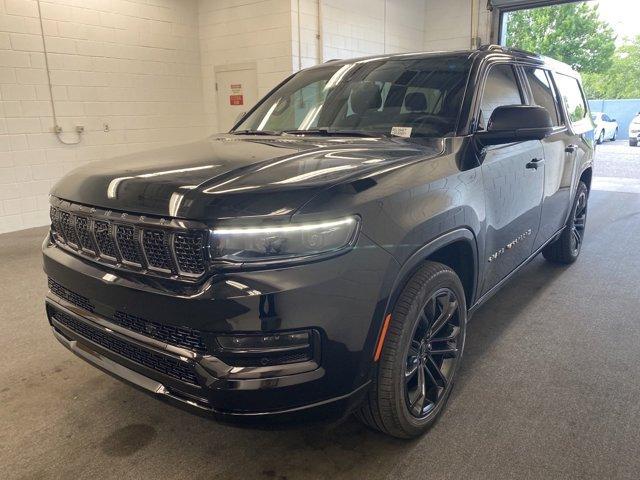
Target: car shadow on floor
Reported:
point(345, 449)
point(493, 318)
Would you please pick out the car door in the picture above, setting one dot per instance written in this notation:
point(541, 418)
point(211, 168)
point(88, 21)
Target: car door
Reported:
point(513, 176)
point(559, 154)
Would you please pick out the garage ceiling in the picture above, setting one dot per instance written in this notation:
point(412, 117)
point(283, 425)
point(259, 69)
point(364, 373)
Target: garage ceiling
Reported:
point(519, 4)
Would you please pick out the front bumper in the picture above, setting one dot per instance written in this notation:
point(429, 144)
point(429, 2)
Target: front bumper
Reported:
point(341, 298)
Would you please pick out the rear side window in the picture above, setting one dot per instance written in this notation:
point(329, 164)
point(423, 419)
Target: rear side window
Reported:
point(543, 93)
point(500, 88)
point(572, 97)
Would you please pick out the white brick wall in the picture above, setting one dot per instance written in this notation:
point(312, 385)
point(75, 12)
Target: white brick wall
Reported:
point(448, 24)
point(146, 68)
point(240, 31)
point(134, 65)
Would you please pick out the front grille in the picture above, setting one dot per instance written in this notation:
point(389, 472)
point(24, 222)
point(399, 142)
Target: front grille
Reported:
point(84, 234)
point(187, 248)
point(67, 227)
point(170, 334)
point(128, 244)
point(104, 238)
point(69, 296)
point(160, 363)
point(158, 247)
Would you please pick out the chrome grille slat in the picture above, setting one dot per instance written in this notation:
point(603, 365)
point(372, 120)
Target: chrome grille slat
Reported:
point(157, 247)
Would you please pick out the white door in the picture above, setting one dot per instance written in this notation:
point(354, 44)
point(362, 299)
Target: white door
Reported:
point(237, 93)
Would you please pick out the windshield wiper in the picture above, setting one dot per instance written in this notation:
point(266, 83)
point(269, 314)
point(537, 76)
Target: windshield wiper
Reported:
point(255, 132)
point(334, 133)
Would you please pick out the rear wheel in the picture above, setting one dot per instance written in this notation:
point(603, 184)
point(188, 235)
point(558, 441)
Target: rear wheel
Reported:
point(421, 354)
point(615, 135)
point(567, 247)
point(633, 142)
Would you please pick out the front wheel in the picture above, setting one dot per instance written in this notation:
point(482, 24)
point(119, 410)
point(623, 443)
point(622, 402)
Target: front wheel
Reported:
point(633, 142)
point(600, 137)
point(421, 353)
point(567, 247)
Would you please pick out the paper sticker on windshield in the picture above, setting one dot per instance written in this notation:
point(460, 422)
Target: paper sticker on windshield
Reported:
point(401, 131)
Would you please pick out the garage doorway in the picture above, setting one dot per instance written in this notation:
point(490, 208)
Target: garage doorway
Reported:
point(601, 40)
point(237, 87)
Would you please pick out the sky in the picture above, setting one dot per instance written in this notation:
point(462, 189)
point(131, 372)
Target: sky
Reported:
point(623, 15)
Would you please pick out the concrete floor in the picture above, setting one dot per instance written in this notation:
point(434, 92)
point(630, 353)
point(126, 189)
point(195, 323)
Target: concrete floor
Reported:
point(549, 388)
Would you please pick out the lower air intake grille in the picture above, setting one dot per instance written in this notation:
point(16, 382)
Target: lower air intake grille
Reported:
point(178, 336)
point(69, 296)
point(160, 363)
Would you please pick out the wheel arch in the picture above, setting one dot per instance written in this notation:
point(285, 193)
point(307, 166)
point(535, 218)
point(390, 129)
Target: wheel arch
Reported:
point(457, 249)
point(586, 177)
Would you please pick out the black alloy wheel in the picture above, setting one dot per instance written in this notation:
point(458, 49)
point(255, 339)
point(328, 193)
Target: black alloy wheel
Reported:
point(421, 354)
point(566, 248)
point(579, 222)
point(433, 353)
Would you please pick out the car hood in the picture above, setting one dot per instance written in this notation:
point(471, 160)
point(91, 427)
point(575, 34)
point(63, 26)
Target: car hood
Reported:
point(231, 175)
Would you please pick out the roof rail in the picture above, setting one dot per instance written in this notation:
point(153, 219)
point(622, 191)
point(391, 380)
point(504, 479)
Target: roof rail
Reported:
point(332, 60)
point(492, 46)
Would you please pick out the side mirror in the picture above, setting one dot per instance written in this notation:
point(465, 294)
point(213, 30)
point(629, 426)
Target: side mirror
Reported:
point(516, 123)
point(614, 120)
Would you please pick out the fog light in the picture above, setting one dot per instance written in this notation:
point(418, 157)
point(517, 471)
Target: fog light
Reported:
point(250, 350)
point(264, 343)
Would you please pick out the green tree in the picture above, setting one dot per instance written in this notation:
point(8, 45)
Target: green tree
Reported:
point(622, 79)
point(572, 33)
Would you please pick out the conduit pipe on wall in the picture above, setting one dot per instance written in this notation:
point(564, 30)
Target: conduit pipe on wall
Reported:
point(57, 129)
point(320, 34)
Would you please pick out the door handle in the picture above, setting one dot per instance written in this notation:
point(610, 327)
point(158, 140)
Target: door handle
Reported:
point(571, 149)
point(535, 163)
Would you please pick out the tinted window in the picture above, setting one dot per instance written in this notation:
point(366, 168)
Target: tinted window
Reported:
point(572, 97)
point(500, 88)
point(371, 96)
point(606, 118)
point(543, 93)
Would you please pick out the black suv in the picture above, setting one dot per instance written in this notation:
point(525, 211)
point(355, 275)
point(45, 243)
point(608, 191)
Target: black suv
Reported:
point(324, 256)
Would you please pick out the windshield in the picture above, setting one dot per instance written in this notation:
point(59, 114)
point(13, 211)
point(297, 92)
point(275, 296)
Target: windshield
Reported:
point(405, 97)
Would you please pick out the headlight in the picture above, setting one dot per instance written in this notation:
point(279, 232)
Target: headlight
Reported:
point(273, 243)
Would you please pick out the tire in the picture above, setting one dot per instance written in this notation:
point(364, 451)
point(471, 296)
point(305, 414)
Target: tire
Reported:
point(600, 139)
point(615, 135)
point(566, 248)
point(633, 143)
point(433, 291)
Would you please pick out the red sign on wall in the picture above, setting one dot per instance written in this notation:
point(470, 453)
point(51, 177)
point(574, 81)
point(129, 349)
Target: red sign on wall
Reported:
point(236, 100)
